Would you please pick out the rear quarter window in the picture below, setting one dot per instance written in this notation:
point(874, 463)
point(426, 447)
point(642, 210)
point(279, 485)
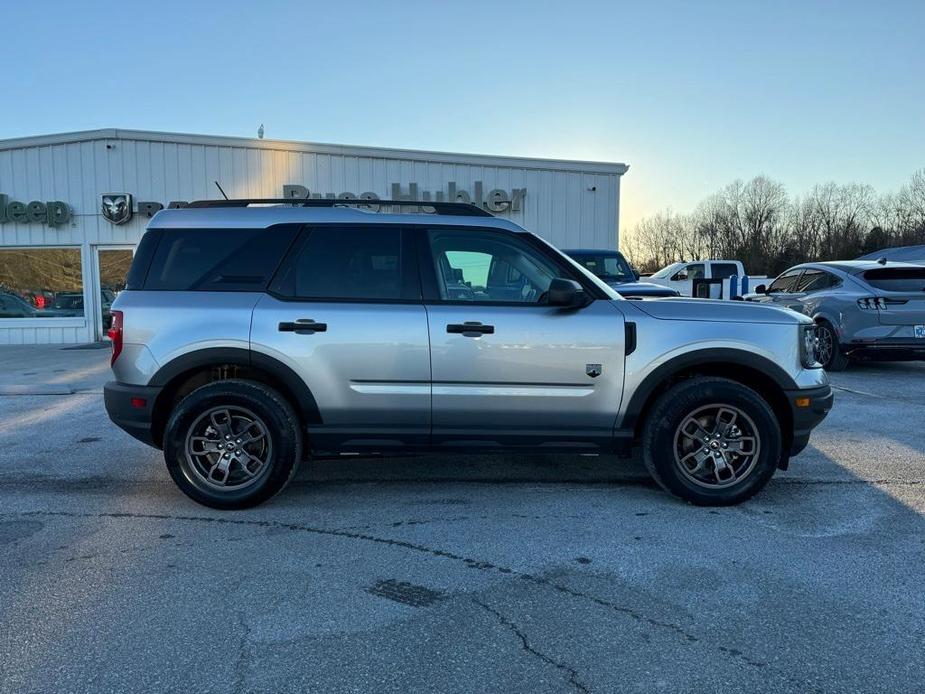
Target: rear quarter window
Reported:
point(135, 279)
point(230, 260)
point(897, 279)
point(724, 270)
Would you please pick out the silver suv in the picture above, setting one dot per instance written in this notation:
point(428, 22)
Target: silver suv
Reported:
point(253, 335)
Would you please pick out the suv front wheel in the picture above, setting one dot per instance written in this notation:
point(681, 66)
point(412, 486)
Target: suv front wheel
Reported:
point(232, 444)
point(711, 441)
point(828, 351)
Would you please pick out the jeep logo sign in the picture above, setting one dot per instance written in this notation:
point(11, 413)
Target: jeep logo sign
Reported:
point(53, 213)
point(495, 200)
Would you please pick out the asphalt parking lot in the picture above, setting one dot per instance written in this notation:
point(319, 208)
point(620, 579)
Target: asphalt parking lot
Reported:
point(537, 574)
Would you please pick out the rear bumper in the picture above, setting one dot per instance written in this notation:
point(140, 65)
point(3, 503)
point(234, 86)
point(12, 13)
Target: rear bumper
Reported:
point(808, 408)
point(130, 408)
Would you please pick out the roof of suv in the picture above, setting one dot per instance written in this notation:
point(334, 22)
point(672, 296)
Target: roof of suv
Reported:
point(260, 217)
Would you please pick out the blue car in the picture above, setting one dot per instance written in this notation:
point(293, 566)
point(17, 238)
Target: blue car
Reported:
point(612, 268)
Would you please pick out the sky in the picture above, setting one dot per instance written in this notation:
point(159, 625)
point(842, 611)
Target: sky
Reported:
point(692, 95)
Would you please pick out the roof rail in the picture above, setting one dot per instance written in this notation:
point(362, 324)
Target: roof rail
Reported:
point(452, 208)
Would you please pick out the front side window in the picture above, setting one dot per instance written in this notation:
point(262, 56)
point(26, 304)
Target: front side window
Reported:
point(348, 263)
point(786, 282)
point(694, 271)
point(41, 283)
point(488, 267)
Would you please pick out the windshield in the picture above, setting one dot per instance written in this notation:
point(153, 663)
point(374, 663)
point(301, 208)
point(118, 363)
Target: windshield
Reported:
point(608, 266)
point(667, 270)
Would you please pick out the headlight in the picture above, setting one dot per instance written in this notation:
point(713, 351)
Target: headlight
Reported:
point(808, 347)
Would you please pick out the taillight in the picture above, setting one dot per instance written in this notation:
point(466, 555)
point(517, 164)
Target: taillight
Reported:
point(115, 335)
point(873, 303)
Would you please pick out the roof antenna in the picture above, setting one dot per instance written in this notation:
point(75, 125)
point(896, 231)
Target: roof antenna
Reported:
point(220, 190)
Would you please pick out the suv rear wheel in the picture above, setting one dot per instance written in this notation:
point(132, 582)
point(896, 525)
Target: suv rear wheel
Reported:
point(232, 444)
point(711, 441)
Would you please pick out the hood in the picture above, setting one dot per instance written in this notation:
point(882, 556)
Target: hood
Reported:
point(643, 289)
point(719, 310)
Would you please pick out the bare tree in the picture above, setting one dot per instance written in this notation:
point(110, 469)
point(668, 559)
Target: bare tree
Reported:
point(756, 222)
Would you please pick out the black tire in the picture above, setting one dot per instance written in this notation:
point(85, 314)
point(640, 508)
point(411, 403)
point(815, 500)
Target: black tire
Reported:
point(836, 360)
point(275, 454)
point(661, 437)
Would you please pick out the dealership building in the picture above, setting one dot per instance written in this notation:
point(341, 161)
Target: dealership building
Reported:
point(73, 206)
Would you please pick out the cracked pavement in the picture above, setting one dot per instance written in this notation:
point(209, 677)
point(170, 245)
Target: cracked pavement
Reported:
point(420, 574)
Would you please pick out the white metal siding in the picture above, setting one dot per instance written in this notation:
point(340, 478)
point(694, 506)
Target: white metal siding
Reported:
point(559, 203)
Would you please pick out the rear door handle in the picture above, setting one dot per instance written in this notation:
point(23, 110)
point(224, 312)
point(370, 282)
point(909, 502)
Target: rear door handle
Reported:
point(303, 326)
point(470, 329)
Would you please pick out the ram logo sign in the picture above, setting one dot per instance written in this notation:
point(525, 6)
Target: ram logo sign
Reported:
point(116, 207)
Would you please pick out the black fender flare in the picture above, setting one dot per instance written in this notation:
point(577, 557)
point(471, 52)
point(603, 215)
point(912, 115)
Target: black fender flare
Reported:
point(700, 357)
point(238, 356)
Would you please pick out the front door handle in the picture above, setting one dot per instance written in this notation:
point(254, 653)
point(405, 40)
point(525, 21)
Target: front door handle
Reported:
point(303, 326)
point(470, 329)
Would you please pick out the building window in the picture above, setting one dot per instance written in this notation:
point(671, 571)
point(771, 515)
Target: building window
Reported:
point(41, 283)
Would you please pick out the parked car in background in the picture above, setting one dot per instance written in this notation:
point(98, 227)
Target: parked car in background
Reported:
point(69, 303)
point(14, 306)
point(612, 268)
point(72, 304)
point(107, 296)
point(902, 254)
point(861, 308)
point(680, 276)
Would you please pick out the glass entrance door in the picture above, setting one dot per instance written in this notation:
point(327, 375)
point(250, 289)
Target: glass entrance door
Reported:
point(111, 264)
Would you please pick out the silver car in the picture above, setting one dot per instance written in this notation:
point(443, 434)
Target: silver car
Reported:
point(861, 308)
point(251, 337)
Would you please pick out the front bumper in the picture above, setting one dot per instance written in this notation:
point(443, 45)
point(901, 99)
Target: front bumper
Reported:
point(131, 408)
point(808, 408)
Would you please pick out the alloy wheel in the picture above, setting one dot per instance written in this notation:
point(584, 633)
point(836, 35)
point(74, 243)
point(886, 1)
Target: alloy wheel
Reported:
point(825, 345)
point(228, 448)
point(717, 446)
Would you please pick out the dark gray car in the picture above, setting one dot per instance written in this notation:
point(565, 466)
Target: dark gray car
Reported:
point(612, 268)
point(862, 308)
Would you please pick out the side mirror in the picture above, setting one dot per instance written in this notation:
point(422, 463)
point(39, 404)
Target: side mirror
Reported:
point(761, 289)
point(565, 293)
point(680, 276)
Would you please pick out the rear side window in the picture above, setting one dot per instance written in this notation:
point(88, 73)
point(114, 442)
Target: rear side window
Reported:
point(897, 279)
point(229, 260)
point(815, 280)
point(351, 263)
point(724, 270)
